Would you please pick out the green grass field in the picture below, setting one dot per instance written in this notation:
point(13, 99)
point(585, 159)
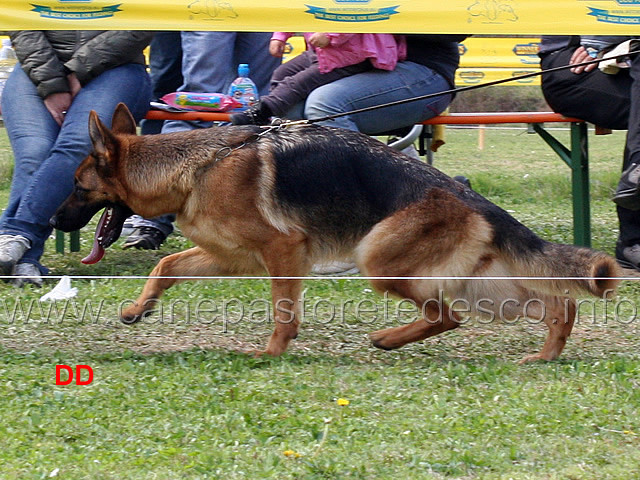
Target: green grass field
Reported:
point(177, 397)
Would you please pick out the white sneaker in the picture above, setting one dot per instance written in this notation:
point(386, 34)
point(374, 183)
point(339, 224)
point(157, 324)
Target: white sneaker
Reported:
point(335, 268)
point(130, 225)
point(12, 248)
point(29, 273)
point(411, 151)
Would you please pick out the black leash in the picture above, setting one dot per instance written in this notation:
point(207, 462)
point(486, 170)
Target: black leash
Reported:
point(467, 88)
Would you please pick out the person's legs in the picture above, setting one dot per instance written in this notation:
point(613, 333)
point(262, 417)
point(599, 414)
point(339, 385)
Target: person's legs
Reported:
point(633, 137)
point(378, 87)
point(628, 191)
point(32, 132)
point(304, 77)
point(165, 69)
point(252, 48)
point(628, 244)
point(296, 87)
point(207, 66)
point(53, 181)
point(592, 96)
point(270, 105)
point(148, 234)
point(607, 101)
point(293, 66)
point(165, 64)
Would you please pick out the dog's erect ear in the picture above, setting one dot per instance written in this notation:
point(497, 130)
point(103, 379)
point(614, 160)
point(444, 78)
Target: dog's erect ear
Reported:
point(100, 135)
point(104, 143)
point(123, 121)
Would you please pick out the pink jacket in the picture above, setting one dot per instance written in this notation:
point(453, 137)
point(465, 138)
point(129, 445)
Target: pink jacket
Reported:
point(384, 50)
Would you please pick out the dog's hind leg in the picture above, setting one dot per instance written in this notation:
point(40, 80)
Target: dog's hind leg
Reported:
point(192, 262)
point(560, 318)
point(437, 236)
point(436, 321)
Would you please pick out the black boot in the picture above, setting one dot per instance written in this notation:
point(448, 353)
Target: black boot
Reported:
point(258, 114)
point(628, 194)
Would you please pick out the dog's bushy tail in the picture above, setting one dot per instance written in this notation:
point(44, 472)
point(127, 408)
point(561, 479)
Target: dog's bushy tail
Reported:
point(572, 270)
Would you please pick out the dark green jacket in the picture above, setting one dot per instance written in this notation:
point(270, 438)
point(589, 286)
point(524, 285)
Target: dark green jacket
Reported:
point(47, 56)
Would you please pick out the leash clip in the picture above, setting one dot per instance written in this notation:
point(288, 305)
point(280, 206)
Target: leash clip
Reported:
point(223, 153)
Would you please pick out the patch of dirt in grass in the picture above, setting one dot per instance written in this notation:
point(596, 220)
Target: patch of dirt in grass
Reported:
point(590, 340)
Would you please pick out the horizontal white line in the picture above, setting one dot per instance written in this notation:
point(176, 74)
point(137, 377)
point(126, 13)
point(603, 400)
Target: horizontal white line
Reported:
point(313, 277)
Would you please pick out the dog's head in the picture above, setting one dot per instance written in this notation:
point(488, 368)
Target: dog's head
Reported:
point(97, 185)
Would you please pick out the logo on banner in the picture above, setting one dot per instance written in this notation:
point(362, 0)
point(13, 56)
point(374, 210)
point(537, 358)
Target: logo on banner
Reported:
point(470, 76)
point(352, 11)
point(79, 11)
point(527, 52)
point(517, 73)
point(620, 16)
point(494, 11)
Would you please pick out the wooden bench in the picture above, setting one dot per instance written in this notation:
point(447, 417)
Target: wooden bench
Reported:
point(575, 155)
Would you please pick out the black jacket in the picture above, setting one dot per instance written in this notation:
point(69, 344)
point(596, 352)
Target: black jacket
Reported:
point(47, 56)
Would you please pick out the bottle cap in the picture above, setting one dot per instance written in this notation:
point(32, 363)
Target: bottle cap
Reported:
point(243, 70)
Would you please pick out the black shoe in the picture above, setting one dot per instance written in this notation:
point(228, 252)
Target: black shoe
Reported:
point(258, 114)
point(628, 194)
point(628, 257)
point(145, 238)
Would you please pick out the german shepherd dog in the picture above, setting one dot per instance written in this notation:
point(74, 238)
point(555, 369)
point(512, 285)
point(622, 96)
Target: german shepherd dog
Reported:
point(281, 199)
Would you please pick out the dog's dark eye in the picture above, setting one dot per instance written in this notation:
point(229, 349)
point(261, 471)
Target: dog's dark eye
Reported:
point(81, 193)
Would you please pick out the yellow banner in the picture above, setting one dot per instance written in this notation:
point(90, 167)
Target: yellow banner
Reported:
point(521, 17)
point(500, 52)
point(488, 59)
point(473, 76)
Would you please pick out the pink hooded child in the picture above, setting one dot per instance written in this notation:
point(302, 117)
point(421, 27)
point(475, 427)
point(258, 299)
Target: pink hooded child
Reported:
point(382, 49)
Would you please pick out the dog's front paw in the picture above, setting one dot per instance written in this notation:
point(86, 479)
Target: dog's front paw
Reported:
point(254, 352)
point(133, 315)
point(382, 339)
point(534, 358)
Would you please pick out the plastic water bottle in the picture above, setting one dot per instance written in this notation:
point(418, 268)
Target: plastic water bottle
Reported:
point(243, 90)
point(8, 61)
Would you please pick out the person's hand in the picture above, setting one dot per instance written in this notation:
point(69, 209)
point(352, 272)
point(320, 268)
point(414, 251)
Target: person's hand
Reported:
point(74, 84)
point(58, 104)
point(276, 47)
point(319, 40)
point(582, 55)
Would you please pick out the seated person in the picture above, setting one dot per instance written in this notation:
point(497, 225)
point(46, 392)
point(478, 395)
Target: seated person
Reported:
point(429, 68)
point(61, 76)
point(329, 57)
point(610, 101)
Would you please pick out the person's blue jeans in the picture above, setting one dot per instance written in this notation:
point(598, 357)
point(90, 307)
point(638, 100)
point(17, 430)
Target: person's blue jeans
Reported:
point(165, 69)
point(378, 87)
point(47, 155)
point(210, 63)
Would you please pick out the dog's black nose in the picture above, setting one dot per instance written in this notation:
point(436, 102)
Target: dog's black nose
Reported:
point(53, 221)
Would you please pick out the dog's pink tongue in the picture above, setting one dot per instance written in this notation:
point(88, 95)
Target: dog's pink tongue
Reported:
point(97, 252)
